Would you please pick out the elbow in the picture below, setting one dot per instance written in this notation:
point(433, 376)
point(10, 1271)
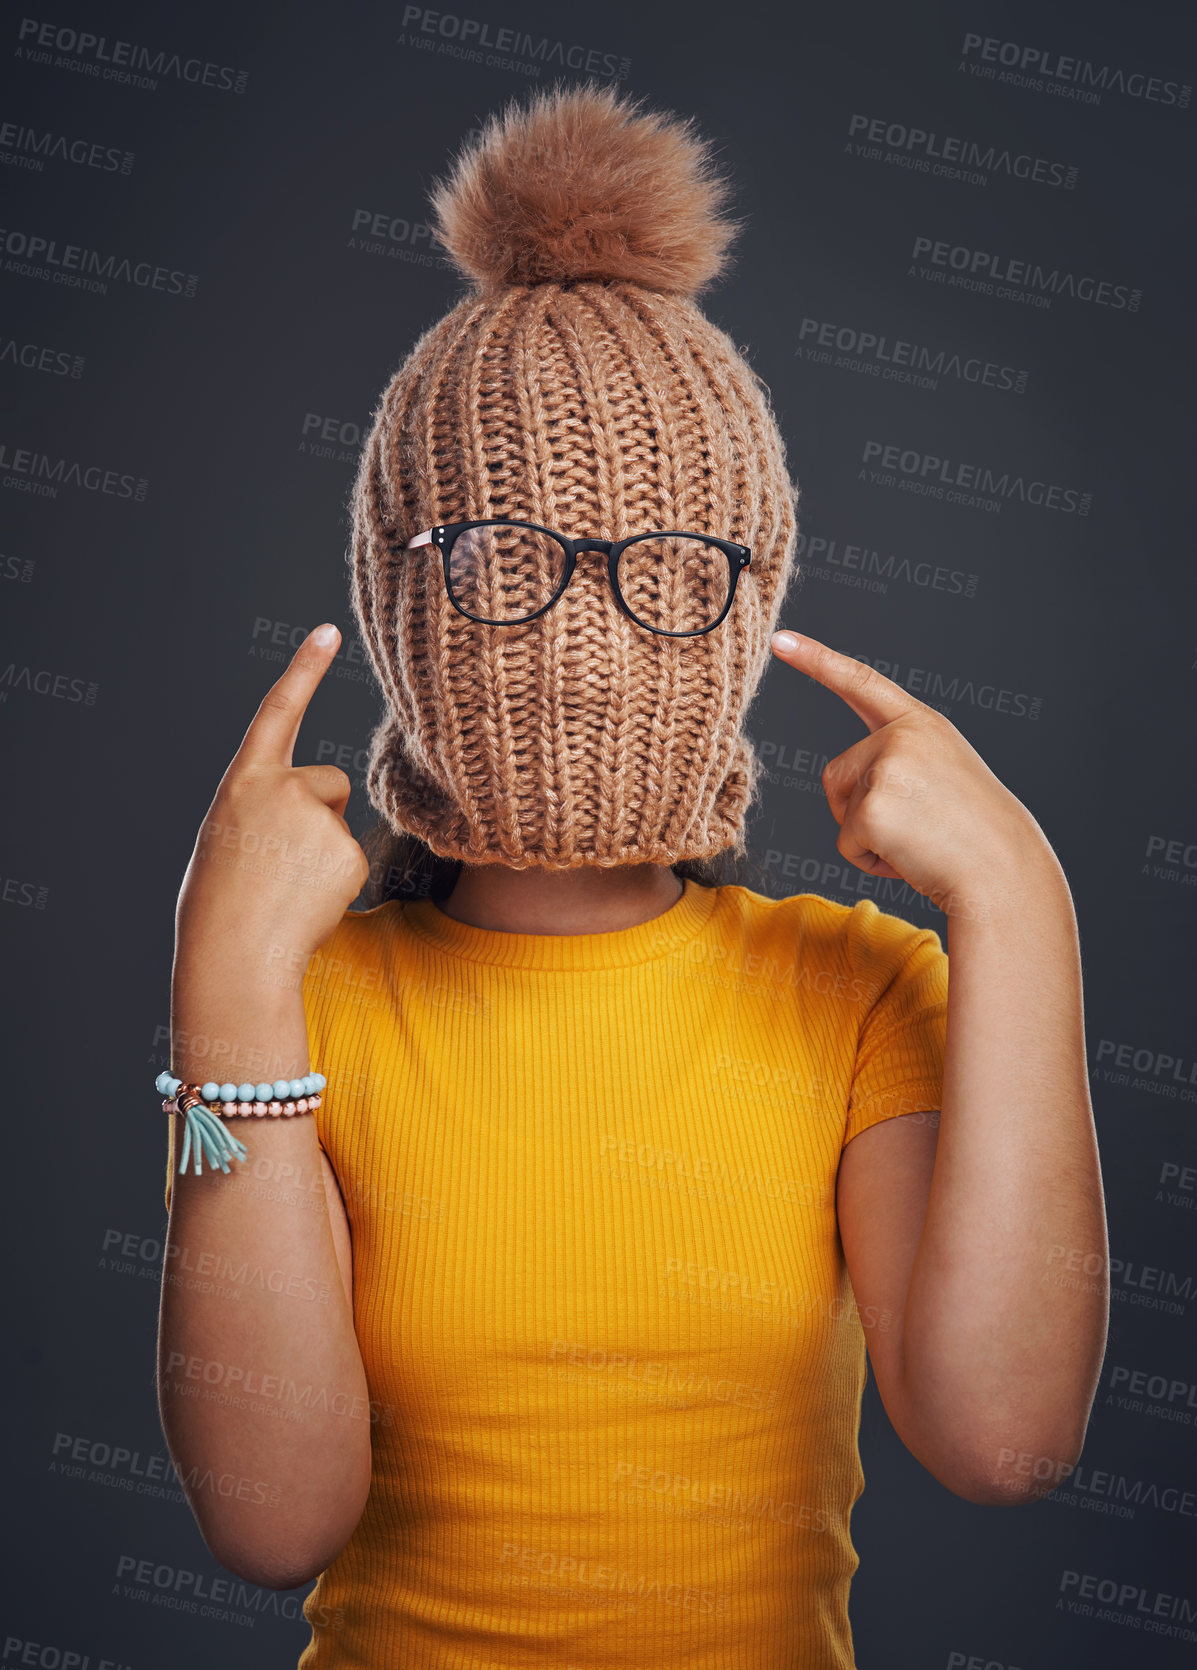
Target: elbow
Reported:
point(266, 1575)
point(985, 1493)
point(1008, 1475)
point(999, 1448)
point(293, 1539)
point(276, 1567)
point(290, 1553)
point(998, 1469)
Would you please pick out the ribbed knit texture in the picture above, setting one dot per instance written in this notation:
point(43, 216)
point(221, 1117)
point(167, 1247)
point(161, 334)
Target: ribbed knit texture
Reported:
point(598, 1286)
point(596, 399)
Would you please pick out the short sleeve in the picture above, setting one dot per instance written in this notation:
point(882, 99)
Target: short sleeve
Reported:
point(900, 1048)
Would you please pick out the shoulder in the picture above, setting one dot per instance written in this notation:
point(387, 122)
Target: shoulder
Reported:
point(863, 926)
point(873, 946)
point(884, 946)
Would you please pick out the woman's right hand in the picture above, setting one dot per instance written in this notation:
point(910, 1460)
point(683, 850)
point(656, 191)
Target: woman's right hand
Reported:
point(275, 865)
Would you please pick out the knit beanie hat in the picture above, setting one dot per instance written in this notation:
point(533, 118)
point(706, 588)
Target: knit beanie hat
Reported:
point(575, 385)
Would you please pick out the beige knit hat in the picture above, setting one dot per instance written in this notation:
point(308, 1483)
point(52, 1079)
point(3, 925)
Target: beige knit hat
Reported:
point(576, 385)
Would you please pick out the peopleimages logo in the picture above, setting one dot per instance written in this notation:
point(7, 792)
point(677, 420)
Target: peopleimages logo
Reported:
point(123, 61)
point(894, 360)
point(1139, 1392)
point(1150, 1286)
point(946, 156)
point(480, 41)
point(1052, 72)
point(30, 147)
point(29, 255)
point(42, 682)
point(978, 486)
point(1128, 1603)
point(30, 471)
point(1158, 1072)
point(943, 691)
point(33, 356)
point(1101, 1491)
point(1016, 279)
point(863, 567)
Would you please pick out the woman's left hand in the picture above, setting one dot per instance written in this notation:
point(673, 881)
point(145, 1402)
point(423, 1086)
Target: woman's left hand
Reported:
point(913, 799)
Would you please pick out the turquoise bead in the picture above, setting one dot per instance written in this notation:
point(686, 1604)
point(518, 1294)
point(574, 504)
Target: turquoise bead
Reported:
point(228, 1093)
point(210, 1091)
point(247, 1092)
point(265, 1092)
point(297, 1088)
point(282, 1089)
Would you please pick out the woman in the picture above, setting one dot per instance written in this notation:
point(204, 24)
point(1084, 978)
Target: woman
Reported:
point(543, 1341)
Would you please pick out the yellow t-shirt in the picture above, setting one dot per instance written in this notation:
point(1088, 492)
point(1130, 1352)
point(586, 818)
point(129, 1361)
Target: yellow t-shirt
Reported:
point(614, 1359)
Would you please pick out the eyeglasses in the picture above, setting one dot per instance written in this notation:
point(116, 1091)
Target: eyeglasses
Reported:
point(503, 573)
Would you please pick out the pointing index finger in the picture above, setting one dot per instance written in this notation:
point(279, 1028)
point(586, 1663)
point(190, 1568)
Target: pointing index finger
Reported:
point(871, 696)
point(274, 728)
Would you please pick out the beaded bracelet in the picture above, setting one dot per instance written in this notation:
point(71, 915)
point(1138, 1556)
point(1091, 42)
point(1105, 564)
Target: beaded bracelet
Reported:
point(202, 1104)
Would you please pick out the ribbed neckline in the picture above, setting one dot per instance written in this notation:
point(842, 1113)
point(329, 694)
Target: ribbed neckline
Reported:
point(558, 953)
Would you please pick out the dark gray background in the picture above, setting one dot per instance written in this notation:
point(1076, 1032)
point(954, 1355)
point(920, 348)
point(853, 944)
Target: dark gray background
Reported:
point(138, 640)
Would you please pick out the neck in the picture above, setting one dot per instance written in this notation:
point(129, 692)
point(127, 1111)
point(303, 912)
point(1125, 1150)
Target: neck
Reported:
point(588, 900)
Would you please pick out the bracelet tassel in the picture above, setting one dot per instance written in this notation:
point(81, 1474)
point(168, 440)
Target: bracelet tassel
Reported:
point(212, 1139)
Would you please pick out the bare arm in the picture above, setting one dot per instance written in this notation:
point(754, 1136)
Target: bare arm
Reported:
point(991, 1371)
point(262, 1390)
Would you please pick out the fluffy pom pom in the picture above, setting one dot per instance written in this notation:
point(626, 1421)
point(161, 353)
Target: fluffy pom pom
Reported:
point(579, 183)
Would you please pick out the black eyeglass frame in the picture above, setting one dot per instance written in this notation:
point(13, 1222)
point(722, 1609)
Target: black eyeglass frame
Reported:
point(445, 535)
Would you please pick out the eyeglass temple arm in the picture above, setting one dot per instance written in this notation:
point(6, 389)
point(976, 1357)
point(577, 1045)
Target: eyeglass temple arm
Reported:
point(424, 538)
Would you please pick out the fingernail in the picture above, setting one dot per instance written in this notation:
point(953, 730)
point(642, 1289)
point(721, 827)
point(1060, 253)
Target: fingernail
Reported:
point(325, 635)
point(784, 641)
